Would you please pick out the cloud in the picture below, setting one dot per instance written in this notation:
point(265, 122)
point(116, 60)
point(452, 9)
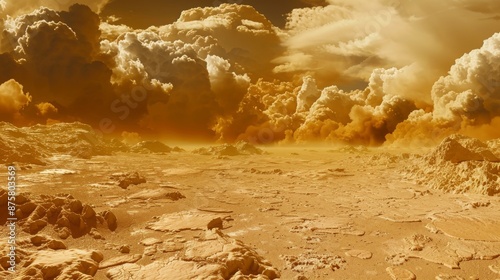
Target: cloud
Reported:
point(46, 109)
point(347, 40)
point(204, 63)
point(12, 100)
point(467, 100)
point(54, 55)
point(471, 90)
point(16, 8)
point(350, 71)
point(248, 38)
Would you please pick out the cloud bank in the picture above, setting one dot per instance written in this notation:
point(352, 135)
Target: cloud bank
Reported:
point(341, 71)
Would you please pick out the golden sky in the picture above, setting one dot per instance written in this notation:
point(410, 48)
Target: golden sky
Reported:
point(357, 71)
point(142, 14)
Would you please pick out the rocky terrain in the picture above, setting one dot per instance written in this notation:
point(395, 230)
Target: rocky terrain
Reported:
point(100, 209)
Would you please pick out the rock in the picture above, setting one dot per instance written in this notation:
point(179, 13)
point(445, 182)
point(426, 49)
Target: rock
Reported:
point(110, 219)
point(119, 260)
point(396, 259)
point(175, 269)
point(151, 147)
point(124, 249)
point(312, 261)
point(38, 240)
point(398, 273)
point(457, 148)
point(448, 277)
point(96, 234)
point(360, 254)
point(68, 216)
point(417, 242)
point(56, 245)
point(479, 229)
point(27, 209)
point(216, 256)
point(126, 179)
point(459, 165)
point(186, 220)
point(35, 144)
point(150, 241)
point(241, 148)
point(157, 194)
point(215, 223)
point(64, 233)
point(66, 264)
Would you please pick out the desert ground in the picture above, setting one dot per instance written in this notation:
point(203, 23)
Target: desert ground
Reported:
point(242, 212)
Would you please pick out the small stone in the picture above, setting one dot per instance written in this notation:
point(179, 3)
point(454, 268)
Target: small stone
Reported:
point(38, 240)
point(21, 199)
point(215, 223)
point(398, 273)
point(34, 227)
point(76, 206)
point(124, 249)
point(97, 256)
point(96, 234)
point(27, 208)
point(360, 254)
point(110, 219)
point(150, 241)
point(64, 233)
point(56, 245)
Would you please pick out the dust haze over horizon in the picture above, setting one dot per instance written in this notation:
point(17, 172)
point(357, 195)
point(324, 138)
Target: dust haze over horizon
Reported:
point(352, 71)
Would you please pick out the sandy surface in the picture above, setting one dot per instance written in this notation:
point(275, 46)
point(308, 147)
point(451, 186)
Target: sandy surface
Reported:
point(297, 213)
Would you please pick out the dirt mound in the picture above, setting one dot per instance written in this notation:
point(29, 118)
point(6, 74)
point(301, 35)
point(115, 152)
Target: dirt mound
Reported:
point(66, 215)
point(240, 148)
point(459, 165)
point(215, 256)
point(34, 144)
point(458, 148)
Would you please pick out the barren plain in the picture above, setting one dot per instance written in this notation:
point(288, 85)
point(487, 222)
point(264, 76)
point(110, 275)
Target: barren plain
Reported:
point(241, 212)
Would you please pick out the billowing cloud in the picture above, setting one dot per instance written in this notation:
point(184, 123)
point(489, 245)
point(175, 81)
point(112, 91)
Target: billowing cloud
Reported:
point(467, 100)
point(345, 41)
point(471, 90)
point(46, 109)
point(54, 55)
point(350, 71)
point(195, 70)
point(12, 100)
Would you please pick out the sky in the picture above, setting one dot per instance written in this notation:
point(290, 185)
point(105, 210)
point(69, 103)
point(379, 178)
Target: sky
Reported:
point(379, 72)
point(142, 14)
